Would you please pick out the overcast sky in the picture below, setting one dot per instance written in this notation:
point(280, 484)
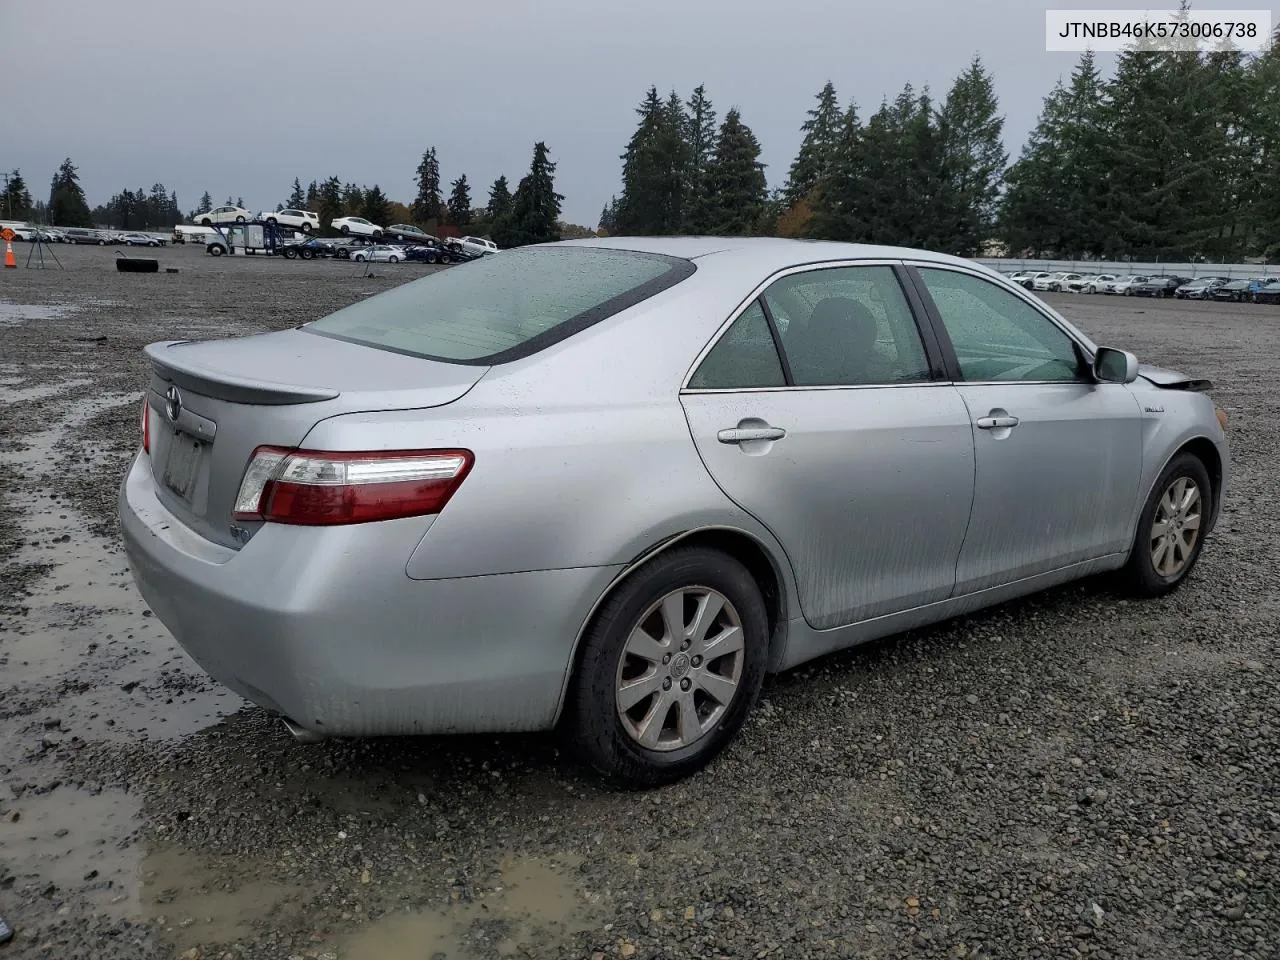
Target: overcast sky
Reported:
point(238, 97)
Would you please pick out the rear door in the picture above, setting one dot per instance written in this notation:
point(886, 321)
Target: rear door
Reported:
point(822, 412)
point(1059, 456)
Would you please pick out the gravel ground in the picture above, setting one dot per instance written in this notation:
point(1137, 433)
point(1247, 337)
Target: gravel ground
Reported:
point(1070, 775)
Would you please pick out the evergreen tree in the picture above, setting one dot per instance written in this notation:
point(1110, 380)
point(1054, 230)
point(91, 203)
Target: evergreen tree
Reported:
point(973, 160)
point(374, 206)
point(836, 212)
point(352, 200)
point(460, 202)
point(1259, 169)
point(298, 198)
point(313, 195)
point(818, 149)
point(329, 204)
point(735, 180)
point(535, 209)
point(608, 218)
point(499, 199)
point(16, 202)
point(654, 168)
point(67, 205)
point(239, 201)
point(1058, 192)
point(206, 203)
point(426, 205)
point(700, 135)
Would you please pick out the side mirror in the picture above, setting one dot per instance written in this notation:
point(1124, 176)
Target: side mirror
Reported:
point(1114, 366)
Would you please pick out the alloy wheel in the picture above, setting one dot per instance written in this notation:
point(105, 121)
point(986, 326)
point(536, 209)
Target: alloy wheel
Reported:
point(1176, 527)
point(680, 669)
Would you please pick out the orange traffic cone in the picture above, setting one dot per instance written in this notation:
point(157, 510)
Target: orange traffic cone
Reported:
point(10, 260)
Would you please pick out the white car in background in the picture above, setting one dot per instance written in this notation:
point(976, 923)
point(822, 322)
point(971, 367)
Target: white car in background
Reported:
point(1122, 285)
point(358, 226)
point(379, 253)
point(304, 220)
point(224, 214)
point(1047, 281)
point(477, 245)
point(1098, 284)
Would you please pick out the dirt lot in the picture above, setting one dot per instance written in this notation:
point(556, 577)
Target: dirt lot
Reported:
point(1072, 775)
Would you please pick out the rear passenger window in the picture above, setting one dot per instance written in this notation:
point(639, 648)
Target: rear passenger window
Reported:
point(847, 326)
point(744, 357)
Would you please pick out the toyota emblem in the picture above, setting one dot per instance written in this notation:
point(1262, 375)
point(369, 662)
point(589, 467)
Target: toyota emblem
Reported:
point(173, 403)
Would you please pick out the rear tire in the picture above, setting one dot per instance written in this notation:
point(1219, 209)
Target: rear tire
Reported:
point(306, 228)
point(393, 259)
point(344, 229)
point(306, 254)
point(1171, 528)
point(290, 253)
point(215, 251)
point(645, 647)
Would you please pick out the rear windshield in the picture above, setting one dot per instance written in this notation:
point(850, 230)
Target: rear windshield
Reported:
point(505, 305)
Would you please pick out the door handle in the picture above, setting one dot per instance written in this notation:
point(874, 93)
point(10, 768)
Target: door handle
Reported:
point(746, 434)
point(995, 423)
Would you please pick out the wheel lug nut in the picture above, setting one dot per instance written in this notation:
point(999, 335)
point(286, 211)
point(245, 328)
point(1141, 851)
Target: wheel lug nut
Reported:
point(697, 661)
point(666, 684)
point(685, 684)
point(667, 658)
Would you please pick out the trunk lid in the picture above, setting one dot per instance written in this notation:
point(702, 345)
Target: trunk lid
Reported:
point(213, 402)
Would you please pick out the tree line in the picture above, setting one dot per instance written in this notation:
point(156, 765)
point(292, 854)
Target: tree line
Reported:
point(1175, 156)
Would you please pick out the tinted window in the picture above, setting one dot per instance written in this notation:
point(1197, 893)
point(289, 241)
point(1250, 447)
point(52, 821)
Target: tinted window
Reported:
point(847, 325)
point(744, 357)
point(502, 307)
point(996, 334)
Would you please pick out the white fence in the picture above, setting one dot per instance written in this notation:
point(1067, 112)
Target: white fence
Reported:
point(1236, 271)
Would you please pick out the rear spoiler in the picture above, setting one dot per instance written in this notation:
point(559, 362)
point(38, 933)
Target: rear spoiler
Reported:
point(226, 386)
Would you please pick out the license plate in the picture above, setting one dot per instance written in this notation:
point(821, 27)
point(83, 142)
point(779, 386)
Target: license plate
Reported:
point(183, 465)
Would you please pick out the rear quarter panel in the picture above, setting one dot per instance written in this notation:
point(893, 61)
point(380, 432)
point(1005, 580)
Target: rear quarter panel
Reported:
point(583, 455)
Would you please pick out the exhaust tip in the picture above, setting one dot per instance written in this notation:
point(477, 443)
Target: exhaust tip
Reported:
point(300, 734)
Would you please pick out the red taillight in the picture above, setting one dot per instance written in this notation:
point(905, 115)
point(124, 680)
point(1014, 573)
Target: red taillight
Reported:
point(146, 424)
point(318, 488)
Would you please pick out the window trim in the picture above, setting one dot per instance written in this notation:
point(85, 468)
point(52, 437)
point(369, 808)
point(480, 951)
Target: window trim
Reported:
point(935, 357)
point(934, 318)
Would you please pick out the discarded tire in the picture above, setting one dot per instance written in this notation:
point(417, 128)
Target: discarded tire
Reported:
point(137, 265)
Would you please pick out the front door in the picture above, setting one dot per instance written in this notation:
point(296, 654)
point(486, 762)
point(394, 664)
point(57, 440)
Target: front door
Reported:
point(843, 444)
point(1059, 456)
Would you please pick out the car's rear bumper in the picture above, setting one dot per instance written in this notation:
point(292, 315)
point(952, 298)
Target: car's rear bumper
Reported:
point(324, 626)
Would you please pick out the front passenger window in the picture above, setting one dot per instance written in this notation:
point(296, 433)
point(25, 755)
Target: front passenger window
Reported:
point(998, 335)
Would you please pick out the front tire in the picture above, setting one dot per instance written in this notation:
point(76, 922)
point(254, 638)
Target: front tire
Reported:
point(345, 230)
point(393, 259)
point(670, 667)
point(1171, 528)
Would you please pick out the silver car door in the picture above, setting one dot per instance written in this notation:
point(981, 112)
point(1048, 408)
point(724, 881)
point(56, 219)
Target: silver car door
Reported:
point(849, 445)
point(1059, 456)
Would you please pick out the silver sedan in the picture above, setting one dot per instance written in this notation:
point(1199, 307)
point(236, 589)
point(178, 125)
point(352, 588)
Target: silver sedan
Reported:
point(606, 486)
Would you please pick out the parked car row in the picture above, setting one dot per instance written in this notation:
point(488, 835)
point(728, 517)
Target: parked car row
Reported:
point(31, 233)
point(1252, 290)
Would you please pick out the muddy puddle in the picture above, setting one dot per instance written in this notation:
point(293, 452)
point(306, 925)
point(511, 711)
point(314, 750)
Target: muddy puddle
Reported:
point(535, 904)
point(82, 661)
point(13, 313)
